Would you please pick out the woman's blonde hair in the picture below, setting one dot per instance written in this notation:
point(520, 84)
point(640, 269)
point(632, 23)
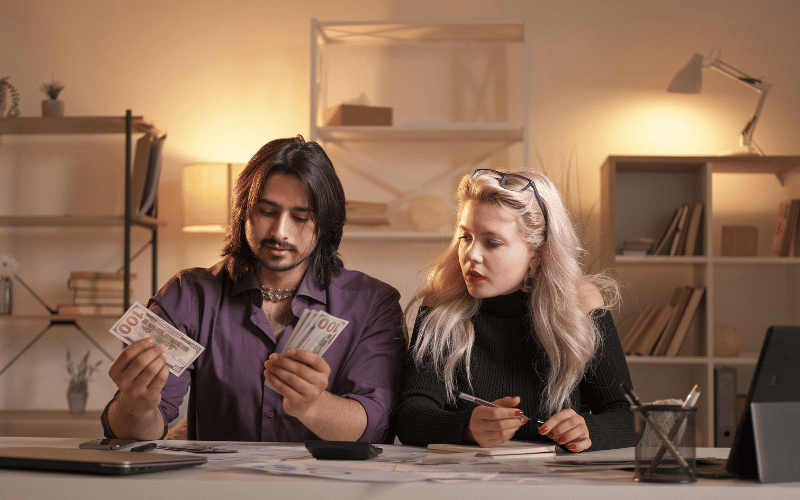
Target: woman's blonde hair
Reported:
point(568, 335)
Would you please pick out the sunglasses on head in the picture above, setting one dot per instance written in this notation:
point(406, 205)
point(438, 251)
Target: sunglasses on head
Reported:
point(516, 182)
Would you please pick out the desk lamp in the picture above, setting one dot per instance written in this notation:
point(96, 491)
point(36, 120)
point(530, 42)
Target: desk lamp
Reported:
point(207, 196)
point(689, 80)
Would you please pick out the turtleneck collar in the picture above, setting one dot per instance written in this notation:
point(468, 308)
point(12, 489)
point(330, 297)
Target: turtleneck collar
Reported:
point(507, 306)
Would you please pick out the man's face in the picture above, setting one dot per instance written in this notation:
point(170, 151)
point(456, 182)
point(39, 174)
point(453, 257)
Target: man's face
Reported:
point(280, 231)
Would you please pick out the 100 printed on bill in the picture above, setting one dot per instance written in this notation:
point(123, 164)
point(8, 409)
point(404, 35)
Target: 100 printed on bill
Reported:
point(138, 322)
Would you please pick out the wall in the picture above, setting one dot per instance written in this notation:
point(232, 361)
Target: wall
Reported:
point(224, 79)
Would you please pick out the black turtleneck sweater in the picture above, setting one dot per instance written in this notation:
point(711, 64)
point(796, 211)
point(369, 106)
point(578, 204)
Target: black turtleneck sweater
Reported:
point(507, 360)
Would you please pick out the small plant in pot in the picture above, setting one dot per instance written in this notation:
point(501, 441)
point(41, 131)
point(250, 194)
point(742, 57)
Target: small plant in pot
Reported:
point(52, 106)
point(80, 373)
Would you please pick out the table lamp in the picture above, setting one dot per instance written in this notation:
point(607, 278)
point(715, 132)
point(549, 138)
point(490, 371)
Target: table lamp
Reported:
point(207, 196)
point(689, 80)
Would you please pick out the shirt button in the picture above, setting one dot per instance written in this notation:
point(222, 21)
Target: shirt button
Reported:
point(271, 414)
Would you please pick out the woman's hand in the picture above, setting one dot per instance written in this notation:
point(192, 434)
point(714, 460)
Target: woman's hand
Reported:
point(494, 426)
point(569, 429)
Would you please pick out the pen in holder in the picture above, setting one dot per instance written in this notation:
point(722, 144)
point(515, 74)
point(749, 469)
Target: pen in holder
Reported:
point(660, 457)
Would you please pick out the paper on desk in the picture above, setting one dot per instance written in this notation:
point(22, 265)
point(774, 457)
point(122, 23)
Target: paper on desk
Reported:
point(352, 470)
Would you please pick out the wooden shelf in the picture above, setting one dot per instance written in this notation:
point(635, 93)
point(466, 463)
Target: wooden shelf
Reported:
point(406, 236)
point(29, 125)
point(392, 33)
point(455, 131)
point(58, 317)
point(77, 221)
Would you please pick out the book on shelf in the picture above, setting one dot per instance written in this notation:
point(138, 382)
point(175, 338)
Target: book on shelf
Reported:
point(679, 299)
point(666, 239)
point(97, 275)
point(791, 228)
point(687, 316)
point(85, 284)
point(785, 228)
point(141, 162)
point(654, 330)
point(693, 230)
point(150, 191)
point(637, 246)
point(88, 309)
point(639, 326)
point(680, 235)
point(367, 213)
point(101, 300)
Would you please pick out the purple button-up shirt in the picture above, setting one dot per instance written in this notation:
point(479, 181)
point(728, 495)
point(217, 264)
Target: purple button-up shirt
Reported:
point(229, 400)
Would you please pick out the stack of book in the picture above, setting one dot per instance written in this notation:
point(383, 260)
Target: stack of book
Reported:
point(660, 330)
point(784, 243)
point(683, 235)
point(367, 213)
point(95, 293)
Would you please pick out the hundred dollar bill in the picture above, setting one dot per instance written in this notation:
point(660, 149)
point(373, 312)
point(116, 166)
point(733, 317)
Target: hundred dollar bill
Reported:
point(315, 331)
point(138, 322)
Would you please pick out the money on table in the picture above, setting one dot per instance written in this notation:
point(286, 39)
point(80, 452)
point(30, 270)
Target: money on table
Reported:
point(139, 322)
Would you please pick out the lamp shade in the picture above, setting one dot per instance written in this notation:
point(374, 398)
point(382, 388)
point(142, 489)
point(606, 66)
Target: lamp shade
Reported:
point(689, 79)
point(207, 196)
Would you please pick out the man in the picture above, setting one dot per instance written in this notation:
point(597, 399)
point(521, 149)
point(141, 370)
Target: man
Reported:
point(280, 259)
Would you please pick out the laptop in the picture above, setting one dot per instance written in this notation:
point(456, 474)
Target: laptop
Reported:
point(767, 445)
point(93, 461)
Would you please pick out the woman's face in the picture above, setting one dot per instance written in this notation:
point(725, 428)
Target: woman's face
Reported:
point(493, 256)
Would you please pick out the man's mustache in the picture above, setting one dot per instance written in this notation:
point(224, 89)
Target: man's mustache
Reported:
point(280, 244)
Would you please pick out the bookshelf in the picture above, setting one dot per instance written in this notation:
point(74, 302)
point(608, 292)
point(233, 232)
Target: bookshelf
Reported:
point(70, 127)
point(456, 113)
point(639, 195)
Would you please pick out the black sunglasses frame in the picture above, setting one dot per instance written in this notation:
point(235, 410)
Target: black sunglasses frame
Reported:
point(501, 180)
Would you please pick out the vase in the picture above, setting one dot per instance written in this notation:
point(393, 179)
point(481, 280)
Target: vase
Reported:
point(5, 295)
point(52, 107)
point(77, 402)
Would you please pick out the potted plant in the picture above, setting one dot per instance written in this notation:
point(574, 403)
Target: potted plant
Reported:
point(8, 269)
point(79, 375)
point(52, 106)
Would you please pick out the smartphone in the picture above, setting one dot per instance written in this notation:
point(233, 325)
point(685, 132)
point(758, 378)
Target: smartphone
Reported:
point(117, 444)
point(342, 450)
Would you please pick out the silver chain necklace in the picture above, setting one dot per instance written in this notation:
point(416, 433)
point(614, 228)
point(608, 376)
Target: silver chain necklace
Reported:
point(276, 294)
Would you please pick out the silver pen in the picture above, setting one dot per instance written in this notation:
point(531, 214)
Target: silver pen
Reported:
point(481, 402)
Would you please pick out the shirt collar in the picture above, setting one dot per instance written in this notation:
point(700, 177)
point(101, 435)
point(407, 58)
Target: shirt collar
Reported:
point(307, 286)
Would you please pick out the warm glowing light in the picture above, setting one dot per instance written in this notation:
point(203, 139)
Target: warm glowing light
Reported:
point(207, 195)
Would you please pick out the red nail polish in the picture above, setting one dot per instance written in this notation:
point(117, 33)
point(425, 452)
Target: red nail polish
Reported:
point(562, 440)
point(571, 447)
point(525, 420)
point(518, 413)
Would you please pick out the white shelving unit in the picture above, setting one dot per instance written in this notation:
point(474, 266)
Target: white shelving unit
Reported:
point(638, 196)
point(449, 86)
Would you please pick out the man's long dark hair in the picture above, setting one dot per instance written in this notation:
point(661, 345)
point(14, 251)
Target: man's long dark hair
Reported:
point(308, 162)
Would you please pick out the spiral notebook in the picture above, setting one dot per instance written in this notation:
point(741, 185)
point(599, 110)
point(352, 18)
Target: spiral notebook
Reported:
point(507, 448)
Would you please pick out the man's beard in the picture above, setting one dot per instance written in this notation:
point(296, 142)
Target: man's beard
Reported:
point(296, 260)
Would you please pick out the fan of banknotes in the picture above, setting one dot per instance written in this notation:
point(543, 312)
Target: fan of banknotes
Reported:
point(315, 331)
point(138, 322)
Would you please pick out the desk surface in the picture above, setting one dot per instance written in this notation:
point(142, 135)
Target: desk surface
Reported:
point(216, 480)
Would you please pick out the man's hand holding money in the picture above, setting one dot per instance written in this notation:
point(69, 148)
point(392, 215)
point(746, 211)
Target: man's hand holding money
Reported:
point(299, 376)
point(140, 372)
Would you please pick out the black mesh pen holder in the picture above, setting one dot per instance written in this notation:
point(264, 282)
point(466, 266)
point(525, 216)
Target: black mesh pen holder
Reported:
point(666, 452)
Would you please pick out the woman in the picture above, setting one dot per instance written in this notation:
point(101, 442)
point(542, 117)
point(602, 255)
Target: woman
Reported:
point(508, 316)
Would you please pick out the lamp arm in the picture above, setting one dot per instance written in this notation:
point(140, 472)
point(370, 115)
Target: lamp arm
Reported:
point(756, 84)
point(748, 130)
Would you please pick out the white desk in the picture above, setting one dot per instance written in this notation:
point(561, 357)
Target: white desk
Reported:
point(214, 482)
